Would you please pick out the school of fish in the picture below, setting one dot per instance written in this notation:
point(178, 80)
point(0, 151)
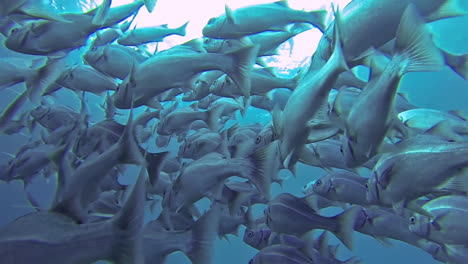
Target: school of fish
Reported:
point(396, 171)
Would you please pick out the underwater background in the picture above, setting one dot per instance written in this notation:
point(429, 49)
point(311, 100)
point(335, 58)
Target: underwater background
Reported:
point(443, 90)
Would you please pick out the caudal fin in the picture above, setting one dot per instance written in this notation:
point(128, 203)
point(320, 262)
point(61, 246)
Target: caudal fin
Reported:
point(317, 18)
point(150, 4)
point(244, 59)
point(458, 63)
point(101, 13)
point(127, 225)
point(204, 232)
point(266, 164)
point(182, 29)
point(346, 222)
point(414, 43)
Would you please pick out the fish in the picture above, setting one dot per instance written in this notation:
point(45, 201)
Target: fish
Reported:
point(86, 78)
point(430, 162)
point(342, 186)
point(142, 78)
point(445, 224)
point(56, 37)
point(286, 206)
point(146, 35)
point(311, 92)
point(414, 51)
point(113, 60)
point(259, 18)
point(262, 82)
point(380, 19)
point(208, 174)
point(28, 237)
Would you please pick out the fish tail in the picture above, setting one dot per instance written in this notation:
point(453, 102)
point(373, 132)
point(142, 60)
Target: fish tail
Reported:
point(244, 60)
point(150, 4)
point(44, 77)
point(414, 43)
point(204, 232)
point(155, 163)
point(450, 8)
point(213, 117)
point(266, 166)
point(317, 18)
point(127, 224)
point(458, 63)
point(131, 153)
point(101, 13)
point(346, 222)
point(182, 29)
point(338, 57)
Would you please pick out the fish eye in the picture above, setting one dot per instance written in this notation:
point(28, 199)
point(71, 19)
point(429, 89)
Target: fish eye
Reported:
point(258, 139)
point(412, 220)
point(250, 234)
point(207, 40)
point(229, 43)
point(367, 186)
point(341, 149)
point(318, 183)
point(14, 30)
point(212, 20)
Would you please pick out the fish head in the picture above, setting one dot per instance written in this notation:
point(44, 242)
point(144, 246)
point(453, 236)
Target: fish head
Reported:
point(213, 45)
point(40, 112)
point(66, 78)
point(264, 137)
point(253, 237)
point(94, 55)
point(17, 38)
point(322, 186)
point(217, 85)
point(420, 225)
point(308, 188)
point(214, 27)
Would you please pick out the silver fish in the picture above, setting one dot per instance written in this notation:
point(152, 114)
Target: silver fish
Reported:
point(258, 18)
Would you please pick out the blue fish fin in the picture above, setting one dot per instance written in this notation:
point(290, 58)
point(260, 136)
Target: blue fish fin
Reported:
point(415, 45)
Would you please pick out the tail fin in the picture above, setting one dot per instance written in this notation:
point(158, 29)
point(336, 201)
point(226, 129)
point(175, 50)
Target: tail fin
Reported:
point(131, 153)
point(266, 163)
point(414, 43)
point(11, 109)
point(213, 116)
point(127, 225)
point(346, 222)
point(204, 232)
point(44, 77)
point(155, 163)
point(150, 4)
point(458, 63)
point(317, 18)
point(240, 73)
point(337, 56)
point(182, 29)
point(101, 13)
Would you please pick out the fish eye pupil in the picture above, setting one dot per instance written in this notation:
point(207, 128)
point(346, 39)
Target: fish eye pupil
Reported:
point(258, 139)
point(250, 234)
point(251, 261)
point(318, 183)
point(367, 186)
point(412, 220)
